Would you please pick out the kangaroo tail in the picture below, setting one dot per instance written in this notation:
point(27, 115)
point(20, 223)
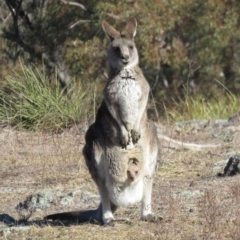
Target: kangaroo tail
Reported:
point(92, 216)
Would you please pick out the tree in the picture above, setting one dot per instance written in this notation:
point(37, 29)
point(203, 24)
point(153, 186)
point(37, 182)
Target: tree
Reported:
point(185, 46)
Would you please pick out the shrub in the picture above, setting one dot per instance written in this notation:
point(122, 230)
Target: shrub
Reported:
point(30, 100)
point(218, 107)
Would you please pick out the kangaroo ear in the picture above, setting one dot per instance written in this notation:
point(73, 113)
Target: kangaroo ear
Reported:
point(130, 29)
point(110, 31)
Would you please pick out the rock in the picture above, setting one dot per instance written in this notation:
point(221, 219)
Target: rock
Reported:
point(187, 194)
point(45, 199)
point(228, 135)
point(7, 231)
point(86, 196)
point(191, 125)
point(13, 190)
point(235, 118)
point(196, 125)
point(230, 154)
point(225, 134)
point(79, 195)
point(39, 200)
point(219, 166)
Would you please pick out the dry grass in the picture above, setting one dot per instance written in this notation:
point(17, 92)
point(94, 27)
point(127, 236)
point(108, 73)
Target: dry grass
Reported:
point(220, 106)
point(194, 203)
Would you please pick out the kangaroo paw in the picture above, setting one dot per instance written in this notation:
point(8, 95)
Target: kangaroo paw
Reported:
point(124, 141)
point(135, 136)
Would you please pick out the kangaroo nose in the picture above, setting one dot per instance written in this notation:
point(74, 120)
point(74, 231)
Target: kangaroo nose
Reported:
point(125, 58)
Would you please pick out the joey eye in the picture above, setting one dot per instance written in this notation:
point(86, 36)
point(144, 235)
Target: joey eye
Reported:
point(130, 47)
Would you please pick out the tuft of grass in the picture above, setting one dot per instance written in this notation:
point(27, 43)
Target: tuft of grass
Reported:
point(29, 100)
point(219, 107)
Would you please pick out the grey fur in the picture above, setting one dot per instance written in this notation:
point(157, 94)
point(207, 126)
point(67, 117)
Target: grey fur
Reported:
point(123, 172)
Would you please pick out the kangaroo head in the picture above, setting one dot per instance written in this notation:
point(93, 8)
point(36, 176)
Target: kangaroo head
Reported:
point(133, 169)
point(123, 52)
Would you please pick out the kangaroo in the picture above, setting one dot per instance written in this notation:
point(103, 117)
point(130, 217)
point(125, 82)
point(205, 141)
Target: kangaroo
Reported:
point(126, 92)
point(132, 169)
point(122, 150)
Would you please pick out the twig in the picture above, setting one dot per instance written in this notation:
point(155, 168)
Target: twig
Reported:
point(113, 16)
point(157, 77)
point(94, 101)
point(155, 107)
point(74, 4)
point(80, 21)
point(5, 19)
point(223, 86)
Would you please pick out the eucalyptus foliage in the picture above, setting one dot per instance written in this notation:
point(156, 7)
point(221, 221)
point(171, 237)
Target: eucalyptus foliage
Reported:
point(186, 47)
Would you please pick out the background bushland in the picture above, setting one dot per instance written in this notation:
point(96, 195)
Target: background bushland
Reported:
point(187, 48)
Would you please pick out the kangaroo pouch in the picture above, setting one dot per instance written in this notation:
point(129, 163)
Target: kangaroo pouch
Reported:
point(118, 161)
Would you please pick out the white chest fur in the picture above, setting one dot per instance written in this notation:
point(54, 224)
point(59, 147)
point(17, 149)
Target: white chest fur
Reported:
point(127, 86)
point(126, 196)
point(128, 89)
point(125, 92)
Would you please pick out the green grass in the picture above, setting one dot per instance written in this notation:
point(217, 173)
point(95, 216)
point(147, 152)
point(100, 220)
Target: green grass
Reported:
point(29, 100)
point(220, 107)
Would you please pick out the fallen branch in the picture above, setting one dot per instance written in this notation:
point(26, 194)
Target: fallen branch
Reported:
point(74, 4)
point(171, 143)
point(111, 15)
point(80, 21)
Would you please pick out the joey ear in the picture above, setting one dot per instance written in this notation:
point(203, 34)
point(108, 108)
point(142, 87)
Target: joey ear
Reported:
point(130, 29)
point(110, 31)
point(133, 160)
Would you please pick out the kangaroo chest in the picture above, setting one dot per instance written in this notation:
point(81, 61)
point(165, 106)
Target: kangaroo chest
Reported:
point(125, 92)
point(128, 92)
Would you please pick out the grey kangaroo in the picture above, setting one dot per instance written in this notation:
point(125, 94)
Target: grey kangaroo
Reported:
point(122, 150)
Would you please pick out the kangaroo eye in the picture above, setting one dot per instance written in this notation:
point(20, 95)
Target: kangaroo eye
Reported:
point(130, 47)
point(116, 48)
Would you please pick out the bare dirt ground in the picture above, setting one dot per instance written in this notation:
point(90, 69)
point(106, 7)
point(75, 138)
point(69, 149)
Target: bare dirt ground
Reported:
point(193, 201)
